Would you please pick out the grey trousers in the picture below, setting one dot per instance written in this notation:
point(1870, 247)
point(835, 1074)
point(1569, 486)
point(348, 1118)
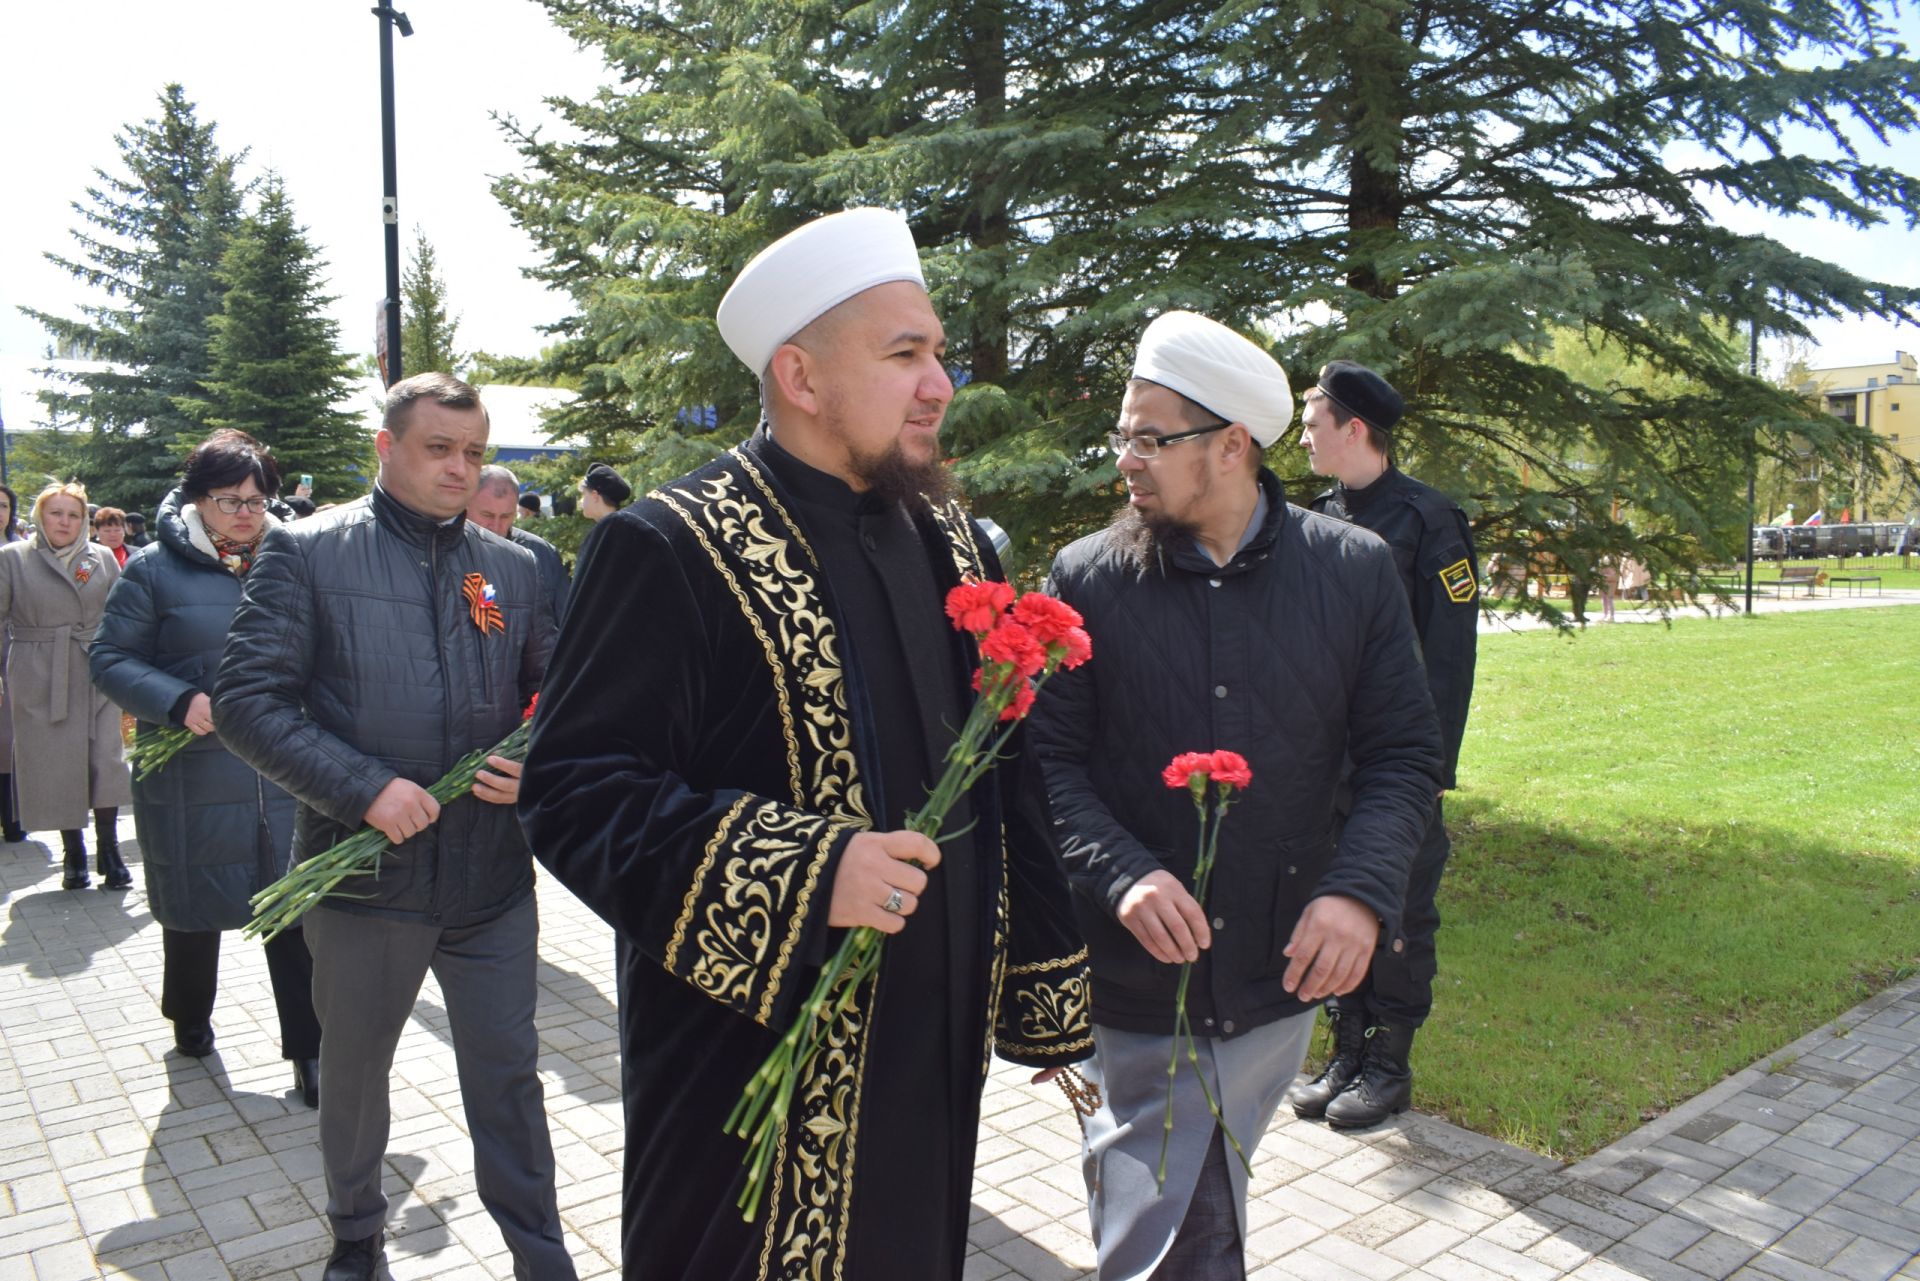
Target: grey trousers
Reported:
point(1138, 1226)
point(366, 976)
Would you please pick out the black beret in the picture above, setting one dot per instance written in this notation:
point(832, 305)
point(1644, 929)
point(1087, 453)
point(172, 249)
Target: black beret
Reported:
point(1366, 394)
point(530, 500)
point(606, 482)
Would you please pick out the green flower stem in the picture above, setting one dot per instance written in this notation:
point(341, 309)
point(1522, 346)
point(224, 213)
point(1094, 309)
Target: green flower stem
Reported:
point(1209, 842)
point(283, 903)
point(759, 1115)
point(151, 751)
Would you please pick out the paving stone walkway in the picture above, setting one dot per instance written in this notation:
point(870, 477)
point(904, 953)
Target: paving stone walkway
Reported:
point(120, 1158)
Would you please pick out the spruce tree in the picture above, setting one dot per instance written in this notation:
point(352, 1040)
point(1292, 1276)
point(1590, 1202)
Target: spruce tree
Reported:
point(1433, 187)
point(427, 332)
point(149, 239)
point(277, 369)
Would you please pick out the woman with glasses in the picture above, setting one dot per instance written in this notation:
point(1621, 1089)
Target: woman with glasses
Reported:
point(212, 831)
point(68, 758)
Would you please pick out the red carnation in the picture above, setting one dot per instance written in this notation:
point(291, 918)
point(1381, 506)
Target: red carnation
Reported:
point(1180, 771)
point(1011, 643)
point(977, 607)
point(531, 704)
point(1022, 704)
point(1078, 646)
point(1048, 618)
point(1230, 769)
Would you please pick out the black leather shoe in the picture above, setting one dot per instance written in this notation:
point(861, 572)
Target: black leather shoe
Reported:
point(1309, 1099)
point(14, 835)
point(354, 1260)
point(306, 1079)
point(194, 1039)
point(1384, 1086)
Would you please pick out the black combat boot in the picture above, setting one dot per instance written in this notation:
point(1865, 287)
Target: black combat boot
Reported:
point(75, 861)
point(1309, 1099)
point(1385, 1083)
point(106, 836)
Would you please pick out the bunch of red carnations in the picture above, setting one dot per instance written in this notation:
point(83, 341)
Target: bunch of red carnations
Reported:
point(1022, 643)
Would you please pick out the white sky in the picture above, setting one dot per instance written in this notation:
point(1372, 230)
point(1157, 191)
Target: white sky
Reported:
point(297, 84)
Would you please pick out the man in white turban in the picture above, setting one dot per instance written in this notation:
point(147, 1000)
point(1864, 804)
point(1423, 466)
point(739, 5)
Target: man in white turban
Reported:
point(1225, 619)
point(734, 800)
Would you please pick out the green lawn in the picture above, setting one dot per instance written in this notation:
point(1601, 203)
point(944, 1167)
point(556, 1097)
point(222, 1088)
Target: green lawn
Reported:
point(1676, 849)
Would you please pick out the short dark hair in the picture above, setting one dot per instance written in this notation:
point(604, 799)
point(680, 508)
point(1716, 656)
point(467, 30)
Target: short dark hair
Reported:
point(301, 507)
point(228, 457)
point(441, 389)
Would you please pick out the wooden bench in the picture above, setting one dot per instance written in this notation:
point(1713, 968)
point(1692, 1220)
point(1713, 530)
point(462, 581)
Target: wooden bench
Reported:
point(1791, 576)
point(1856, 583)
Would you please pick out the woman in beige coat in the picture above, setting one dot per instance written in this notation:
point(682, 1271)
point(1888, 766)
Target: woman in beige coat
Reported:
point(68, 757)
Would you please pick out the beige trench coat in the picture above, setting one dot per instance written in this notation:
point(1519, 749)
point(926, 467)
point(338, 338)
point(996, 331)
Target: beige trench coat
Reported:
point(67, 754)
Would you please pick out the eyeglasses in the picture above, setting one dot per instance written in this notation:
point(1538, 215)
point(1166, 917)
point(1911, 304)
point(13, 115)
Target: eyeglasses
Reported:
point(1145, 447)
point(230, 505)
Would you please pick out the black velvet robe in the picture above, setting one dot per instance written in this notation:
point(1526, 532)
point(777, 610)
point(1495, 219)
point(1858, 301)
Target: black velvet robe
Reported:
point(748, 675)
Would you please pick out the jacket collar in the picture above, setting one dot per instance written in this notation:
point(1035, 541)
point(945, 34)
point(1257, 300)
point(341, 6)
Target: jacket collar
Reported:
point(1189, 557)
point(415, 528)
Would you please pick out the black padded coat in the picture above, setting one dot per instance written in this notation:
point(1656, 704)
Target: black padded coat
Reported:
point(355, 659)
point(212, 831)
point(1298, 654)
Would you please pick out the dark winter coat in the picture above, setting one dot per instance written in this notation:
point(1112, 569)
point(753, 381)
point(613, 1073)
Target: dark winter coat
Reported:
point(212, 831)
point(354, 660)
point(1297, 654)
point(553, 570)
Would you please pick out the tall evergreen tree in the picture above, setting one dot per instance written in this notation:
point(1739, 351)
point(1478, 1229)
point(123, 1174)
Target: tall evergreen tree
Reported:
point(277, 368)
point(149, 240)
point(1445, 183)
point(427, 332)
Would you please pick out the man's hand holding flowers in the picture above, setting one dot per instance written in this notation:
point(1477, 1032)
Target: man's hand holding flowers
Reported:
point(876, 866)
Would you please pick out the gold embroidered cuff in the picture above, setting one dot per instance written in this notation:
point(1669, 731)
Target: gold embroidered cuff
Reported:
point(1045, 1011)
point(745, 909)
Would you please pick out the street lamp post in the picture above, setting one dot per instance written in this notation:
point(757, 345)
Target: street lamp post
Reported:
point(1753, 452)
point(390, 168)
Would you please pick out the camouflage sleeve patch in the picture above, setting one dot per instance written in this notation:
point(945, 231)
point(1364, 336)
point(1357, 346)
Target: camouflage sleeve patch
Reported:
point(1459, 581)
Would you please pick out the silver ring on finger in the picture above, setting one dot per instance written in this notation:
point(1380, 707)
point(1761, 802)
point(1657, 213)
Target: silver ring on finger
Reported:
point(895, 901)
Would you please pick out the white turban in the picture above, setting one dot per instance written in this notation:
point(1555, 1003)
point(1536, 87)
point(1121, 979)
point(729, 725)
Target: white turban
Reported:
point(810, 271)
point(1206, 362)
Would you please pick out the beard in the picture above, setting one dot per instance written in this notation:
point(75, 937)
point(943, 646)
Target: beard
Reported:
point(893, 478)
point(1143, 540)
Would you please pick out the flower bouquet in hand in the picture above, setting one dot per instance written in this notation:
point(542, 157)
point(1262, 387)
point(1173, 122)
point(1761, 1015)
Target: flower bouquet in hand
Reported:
point(151, 751)
point(1211, 778)
point(284, 902)
point(1022, 643)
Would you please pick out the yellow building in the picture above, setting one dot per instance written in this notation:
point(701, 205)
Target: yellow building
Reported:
point(1885, 399)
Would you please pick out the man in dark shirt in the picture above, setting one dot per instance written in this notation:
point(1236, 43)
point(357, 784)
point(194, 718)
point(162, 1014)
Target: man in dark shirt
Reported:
point(1348, 419)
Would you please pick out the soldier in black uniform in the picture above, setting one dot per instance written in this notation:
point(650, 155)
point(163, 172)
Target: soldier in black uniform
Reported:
point(1348, 419)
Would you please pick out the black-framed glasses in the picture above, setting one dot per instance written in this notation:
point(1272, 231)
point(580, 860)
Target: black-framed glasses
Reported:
point(230, 505)
point(1146, 447)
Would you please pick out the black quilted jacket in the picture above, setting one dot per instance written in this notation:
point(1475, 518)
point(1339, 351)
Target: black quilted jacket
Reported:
point(1297, 654)
point(354, 659)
